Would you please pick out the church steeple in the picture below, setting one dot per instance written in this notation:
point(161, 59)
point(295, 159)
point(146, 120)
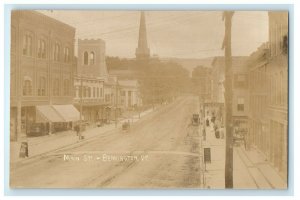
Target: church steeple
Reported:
point(142, 51)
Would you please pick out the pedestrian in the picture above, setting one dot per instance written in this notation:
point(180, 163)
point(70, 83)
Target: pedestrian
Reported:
point(217, 132)
point(207, 122)
point(77, 129)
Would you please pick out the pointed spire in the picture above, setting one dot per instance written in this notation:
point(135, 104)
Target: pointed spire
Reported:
point(142, 51)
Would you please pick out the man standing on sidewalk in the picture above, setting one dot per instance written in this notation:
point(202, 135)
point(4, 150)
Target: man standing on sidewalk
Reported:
point(77, 129)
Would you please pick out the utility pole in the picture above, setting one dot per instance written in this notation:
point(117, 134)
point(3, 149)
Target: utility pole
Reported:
point(227, 16)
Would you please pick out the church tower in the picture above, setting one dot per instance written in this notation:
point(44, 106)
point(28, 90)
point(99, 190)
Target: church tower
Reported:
point(142, 51)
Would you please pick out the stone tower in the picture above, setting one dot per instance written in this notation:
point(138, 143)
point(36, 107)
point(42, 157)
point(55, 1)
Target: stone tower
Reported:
point(91, 58)
point(142, 51)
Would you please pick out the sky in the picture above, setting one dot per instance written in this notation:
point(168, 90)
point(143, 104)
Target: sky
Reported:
point(181, 34)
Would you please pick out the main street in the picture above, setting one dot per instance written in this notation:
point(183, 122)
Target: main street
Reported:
point(159, 151)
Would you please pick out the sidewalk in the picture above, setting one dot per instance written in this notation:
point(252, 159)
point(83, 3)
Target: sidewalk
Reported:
point(44, 144)
point(250, 168)
point(216, 169)
point(262, 174)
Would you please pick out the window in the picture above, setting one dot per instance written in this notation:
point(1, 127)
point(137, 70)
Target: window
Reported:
point(77, 91)
point(94, 92)
point(107, 97)
point(89, 92)
point(97, 92)
point(101, 92)
point(240, 104)
point(92, 58)
point(27, 87)
point(42, 86)
point(56, 87)
point(56, 52)
point(84, 91)
point(66, 55)
point(66, 87)
point(240, 80)
point(41, 49)
point(27, 45)
point(85, 58)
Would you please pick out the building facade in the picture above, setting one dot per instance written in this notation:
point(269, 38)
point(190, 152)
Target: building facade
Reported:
point(129, 94)
point(240, 96)
point(89, 81)
point(42, 52)
point(201, 77)
point(239, 88)
point(269, 95)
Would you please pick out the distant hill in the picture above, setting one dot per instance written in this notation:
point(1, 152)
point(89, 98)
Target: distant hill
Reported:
point(191, 63)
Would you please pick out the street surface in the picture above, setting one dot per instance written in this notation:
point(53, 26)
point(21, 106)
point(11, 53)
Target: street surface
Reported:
point(159, 151)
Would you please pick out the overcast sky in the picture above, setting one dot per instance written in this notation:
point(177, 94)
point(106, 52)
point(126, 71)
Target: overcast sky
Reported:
point(183, 34)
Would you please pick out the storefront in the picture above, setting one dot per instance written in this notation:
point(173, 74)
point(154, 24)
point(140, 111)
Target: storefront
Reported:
point(57, 118)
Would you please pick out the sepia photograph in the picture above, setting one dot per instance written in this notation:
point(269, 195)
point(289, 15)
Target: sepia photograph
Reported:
point(149, 99)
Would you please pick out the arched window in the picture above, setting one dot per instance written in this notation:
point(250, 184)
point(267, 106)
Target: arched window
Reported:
point(84, 91)
point(41, 49)
point(42, 86)
point(85, 58)
point(66, 54)
point(92, 58)
point(27, 86)
point(56, 52)
point(27, 44)
point(66, 87)
point(89, 92)
point(56, 87)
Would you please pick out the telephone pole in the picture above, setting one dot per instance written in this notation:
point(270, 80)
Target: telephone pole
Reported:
point(227, 16)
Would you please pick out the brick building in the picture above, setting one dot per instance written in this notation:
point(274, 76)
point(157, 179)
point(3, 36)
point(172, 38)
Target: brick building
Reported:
point(268, 67)
point(42, 52)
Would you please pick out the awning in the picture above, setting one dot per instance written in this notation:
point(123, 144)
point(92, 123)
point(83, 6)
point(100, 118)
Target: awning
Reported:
point(47, 113)
point(68, 112)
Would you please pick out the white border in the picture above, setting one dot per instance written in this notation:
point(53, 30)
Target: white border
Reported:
point(296, 74)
